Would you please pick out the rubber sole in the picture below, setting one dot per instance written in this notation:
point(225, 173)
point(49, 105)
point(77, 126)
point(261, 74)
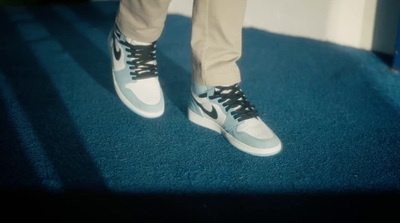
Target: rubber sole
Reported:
point(206, 123)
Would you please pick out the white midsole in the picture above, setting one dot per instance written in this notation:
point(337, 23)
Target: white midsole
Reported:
point(206, 123)
point(132, 107)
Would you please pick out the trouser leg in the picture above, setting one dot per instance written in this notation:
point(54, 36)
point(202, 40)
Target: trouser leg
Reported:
point(216, 34)
point(142, 20)
point(217, 41)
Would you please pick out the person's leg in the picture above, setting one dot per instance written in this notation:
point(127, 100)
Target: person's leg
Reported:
point(217, 41)
point(142, 20)
point(217, 102)
point(132, 44)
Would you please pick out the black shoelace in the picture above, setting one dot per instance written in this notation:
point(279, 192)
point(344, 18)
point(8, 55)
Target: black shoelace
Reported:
point(141, 63)
point(232, 97)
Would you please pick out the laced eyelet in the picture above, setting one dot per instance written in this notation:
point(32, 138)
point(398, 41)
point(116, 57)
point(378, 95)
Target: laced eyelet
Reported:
point(142, 61)
point(233, 97)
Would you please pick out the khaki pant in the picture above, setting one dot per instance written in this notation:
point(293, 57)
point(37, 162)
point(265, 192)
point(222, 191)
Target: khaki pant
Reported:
point(216, 34)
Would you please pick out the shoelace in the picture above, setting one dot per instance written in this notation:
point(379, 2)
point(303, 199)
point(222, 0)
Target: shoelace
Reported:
point(232, 97)
point(143, 63)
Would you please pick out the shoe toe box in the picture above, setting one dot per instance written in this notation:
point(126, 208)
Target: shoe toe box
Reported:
point(148, 91)
point(255, 133)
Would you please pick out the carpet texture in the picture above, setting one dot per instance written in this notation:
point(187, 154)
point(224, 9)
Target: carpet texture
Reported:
point(68, 144)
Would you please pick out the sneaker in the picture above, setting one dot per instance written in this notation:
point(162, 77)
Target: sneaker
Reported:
point(134, 68)
point(227, 111)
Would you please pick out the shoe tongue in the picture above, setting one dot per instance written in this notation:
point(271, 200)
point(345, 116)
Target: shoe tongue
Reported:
point(227, 92)
point(224, 91)
point(137, 43)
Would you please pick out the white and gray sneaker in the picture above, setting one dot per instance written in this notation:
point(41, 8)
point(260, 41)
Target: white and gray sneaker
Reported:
point(135, 74)
point(226, 110)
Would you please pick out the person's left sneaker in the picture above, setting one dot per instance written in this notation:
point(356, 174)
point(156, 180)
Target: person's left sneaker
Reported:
point(227, 111)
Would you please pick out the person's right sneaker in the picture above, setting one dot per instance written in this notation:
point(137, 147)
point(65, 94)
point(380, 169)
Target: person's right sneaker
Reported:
point(134, 68)
point(227, 111)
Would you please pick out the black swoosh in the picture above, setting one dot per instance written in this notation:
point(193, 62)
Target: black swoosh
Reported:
point(213, 113)
point(117, 54)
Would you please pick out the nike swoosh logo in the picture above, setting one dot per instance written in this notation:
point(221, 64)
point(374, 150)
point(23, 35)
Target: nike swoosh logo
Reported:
point(213, 113)
point(117, 54)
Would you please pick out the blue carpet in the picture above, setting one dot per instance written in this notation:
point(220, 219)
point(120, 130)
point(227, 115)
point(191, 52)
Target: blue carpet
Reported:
point(68, 143)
